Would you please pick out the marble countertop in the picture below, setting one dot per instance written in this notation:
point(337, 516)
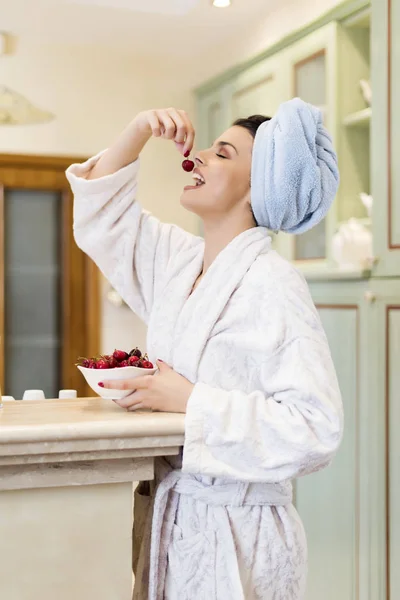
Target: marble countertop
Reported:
point(81, 419)
point(56, 443)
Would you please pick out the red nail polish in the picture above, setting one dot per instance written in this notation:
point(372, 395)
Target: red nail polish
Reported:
point(159, 360)
point(187, 153)
point(101, 384)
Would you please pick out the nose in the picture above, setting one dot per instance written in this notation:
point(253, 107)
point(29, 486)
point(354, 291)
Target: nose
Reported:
point(200, 159)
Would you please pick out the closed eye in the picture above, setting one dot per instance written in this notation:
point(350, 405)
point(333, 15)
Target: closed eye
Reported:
point(221, 156)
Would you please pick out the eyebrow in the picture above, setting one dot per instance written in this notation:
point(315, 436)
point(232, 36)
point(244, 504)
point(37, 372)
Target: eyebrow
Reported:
point(228, 144)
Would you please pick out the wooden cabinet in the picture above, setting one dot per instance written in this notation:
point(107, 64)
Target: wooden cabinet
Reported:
point(49, 296)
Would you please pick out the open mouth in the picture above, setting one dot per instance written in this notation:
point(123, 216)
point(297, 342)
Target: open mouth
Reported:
point(199, 179)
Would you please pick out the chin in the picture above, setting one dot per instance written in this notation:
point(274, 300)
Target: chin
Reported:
point(192, 201)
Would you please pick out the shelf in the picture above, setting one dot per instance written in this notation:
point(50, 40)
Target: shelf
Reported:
point(361, 118)
point(338, 274)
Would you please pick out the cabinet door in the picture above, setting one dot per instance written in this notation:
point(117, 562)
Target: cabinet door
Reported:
point(48, 288)
point(259, 90)
point(312, 72)
point(385, 453)
point(329, 501)
point(213, 116)
point(350, 510)
point(385, 57)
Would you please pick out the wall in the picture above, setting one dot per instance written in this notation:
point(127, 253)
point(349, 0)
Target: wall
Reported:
point(94, 92)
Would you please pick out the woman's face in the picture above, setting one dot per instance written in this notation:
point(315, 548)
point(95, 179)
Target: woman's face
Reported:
point(225, 169)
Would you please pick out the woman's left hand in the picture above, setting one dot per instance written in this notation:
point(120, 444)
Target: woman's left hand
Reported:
point(166, 391)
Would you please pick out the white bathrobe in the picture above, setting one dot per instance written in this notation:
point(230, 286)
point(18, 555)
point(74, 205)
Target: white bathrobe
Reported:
point(265, 409)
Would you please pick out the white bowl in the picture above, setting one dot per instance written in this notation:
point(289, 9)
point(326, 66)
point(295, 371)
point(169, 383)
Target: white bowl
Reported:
point(95, 376)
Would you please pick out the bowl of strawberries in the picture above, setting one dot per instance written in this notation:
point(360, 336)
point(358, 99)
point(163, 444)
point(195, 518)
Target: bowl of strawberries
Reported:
point(116, 366)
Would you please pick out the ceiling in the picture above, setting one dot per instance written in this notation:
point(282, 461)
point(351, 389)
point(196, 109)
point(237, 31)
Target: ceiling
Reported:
point(160, 7)
point(141, 27)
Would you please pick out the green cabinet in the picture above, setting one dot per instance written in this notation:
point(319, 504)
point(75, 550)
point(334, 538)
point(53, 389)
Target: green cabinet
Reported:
point(324, 68)
point(351, 510)
point(386, 135)
point(344, 506)
point(328, 502)
point(258, 90)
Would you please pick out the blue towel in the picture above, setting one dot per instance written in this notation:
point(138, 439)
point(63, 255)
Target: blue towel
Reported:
point(294, 174)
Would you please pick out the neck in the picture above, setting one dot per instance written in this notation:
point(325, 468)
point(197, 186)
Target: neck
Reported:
point(219, 233)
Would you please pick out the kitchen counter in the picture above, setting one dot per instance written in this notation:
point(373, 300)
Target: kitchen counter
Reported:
point(66, 474)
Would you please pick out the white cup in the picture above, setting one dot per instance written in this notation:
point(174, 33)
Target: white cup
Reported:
point(33, 395)
point(7, 399)
point(67, 394)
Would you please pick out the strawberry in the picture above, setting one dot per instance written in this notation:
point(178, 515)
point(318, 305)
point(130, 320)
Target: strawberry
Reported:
point(120, 355)
point(135, 352)
point(133, 360)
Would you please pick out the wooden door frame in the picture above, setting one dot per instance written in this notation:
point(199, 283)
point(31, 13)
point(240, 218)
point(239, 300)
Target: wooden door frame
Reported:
point(48, 173)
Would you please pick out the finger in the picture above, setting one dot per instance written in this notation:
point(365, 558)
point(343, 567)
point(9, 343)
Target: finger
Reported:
point(154, 123)
point(131, 400)
point(136, 407)
point(190, 132)
point(167, 124)
point(143, 382)
point(180, 124)
point(119, 384)
point(133, 384)
point(162, 366)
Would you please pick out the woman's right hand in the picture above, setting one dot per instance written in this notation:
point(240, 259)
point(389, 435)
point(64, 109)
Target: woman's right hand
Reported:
point(168, 124)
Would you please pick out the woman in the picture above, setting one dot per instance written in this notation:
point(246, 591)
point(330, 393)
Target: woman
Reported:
point(240, 346)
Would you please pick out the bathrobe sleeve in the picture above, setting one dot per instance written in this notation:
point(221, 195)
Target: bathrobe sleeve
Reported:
point(289, 427)
point(130, 246)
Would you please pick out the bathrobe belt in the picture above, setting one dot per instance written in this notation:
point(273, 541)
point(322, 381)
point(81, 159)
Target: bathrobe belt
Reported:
point(219, 495)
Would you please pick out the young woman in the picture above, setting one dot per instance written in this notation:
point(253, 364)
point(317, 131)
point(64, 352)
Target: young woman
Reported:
point(240, 346)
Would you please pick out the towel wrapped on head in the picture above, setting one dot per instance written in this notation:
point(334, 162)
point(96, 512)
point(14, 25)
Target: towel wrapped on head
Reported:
point(294, 174)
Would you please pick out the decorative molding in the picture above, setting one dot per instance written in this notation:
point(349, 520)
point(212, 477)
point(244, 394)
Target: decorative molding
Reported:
point(338, 13)
point(389, 309)
point(391, 245)
point(254, 85)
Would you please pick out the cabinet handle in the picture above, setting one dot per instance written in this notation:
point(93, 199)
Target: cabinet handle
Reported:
point(369, 296)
